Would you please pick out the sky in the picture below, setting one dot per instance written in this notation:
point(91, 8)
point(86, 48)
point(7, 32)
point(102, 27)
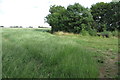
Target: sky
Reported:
point(32, 12)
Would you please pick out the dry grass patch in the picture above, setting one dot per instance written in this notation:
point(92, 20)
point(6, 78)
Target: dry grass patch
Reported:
point(64, 33)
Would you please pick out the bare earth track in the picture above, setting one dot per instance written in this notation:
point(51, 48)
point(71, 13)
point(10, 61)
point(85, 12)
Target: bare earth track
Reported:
point(109, 67)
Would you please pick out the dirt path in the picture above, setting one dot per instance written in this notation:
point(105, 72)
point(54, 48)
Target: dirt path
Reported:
point(108, 63)
point(109, 67)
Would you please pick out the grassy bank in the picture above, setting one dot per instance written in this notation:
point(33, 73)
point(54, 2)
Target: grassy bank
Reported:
point(34, 53)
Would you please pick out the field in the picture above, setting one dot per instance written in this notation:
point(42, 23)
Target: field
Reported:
point(35, 53)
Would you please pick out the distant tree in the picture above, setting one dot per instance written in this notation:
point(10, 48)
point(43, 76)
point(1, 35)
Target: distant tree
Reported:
point(106, 15)
point(20, 26)
point(113, 16)
point(99, 12)
point(71, 19)
point(30, 27)
point(1, 26)
point(79, 18)
point(55, 18)
point(16, 26)
point(115, 0)
point(101, 16)
point(39, 27)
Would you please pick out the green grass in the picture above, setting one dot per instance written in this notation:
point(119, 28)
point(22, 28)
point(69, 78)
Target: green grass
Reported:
point(0, 53)
point(34, 53)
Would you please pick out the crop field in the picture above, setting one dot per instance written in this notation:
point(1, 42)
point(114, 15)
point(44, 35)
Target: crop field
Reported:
point(36, 53)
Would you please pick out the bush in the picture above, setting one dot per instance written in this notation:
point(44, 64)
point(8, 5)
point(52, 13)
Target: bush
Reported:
point(93, 32)
point(30, 27)
point(1, 26)
point(84, 33)
point(115, 33)
point(106, 34)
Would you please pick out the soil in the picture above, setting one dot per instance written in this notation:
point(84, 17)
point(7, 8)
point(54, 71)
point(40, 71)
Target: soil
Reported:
point(109, 69)
point(108, 63)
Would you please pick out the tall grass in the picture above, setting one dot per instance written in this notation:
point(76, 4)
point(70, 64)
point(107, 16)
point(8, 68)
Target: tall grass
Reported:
point(30, 53)
point(0, 53)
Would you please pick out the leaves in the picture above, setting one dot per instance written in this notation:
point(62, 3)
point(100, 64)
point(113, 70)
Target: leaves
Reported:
point(70, 19)
point(106, 15)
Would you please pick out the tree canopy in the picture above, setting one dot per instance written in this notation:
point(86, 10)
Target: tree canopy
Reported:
point(75, 18)
point(106, 15)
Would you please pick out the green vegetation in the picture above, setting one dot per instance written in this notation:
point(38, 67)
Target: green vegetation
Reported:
point(106, 16)
point(73, 19)
point(78, 19)
point(0, 53)
point(83, 41)
point(35, 53)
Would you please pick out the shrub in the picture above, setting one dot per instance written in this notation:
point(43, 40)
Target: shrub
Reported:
point(115, 33)
point(106, 34)
point(1, 26)
point(30, 27)
point(92, 32)
point(118, 34)
point(20, 27)
point(84, 33)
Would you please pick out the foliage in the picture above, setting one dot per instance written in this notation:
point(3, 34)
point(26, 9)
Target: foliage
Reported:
point(84, 33)
point(99, 18)
point(115, 33)
point(73, 19)
point(99, 10)
point(30, 27)
point(1, 26)
point(92, 32)
point(115, 0)
point(112, 17)
point(106, 33)
point(15, 26)
point(56, 18)
point(106, 15)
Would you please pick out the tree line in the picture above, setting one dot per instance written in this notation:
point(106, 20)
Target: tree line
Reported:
point(76, 18)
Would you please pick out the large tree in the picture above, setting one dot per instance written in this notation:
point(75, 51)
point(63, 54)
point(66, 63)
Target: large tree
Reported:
point(113, 16)
point(99, 12)
point(55, 17)
point(106, 15)
point(73, 19)
point(115, 0)
point(79, 18)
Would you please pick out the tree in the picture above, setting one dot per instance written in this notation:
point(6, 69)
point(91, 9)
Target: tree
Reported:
point(115, 0)
point(1, 26)
point(113, 15)
point(77, 17)
point(99, 12)
point(106, 15)
point(55, 17)
point(71, 19)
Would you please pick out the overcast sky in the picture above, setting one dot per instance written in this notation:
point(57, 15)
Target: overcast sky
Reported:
point(32, 12)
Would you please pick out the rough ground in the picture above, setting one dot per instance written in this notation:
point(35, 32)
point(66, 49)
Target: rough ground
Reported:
point(109, 67)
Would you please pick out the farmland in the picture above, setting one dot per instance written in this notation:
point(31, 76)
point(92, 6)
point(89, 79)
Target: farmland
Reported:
point(35, 53)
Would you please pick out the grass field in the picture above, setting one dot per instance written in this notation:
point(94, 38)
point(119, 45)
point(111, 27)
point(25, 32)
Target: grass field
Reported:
point(35, 53)
point(0, 53)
